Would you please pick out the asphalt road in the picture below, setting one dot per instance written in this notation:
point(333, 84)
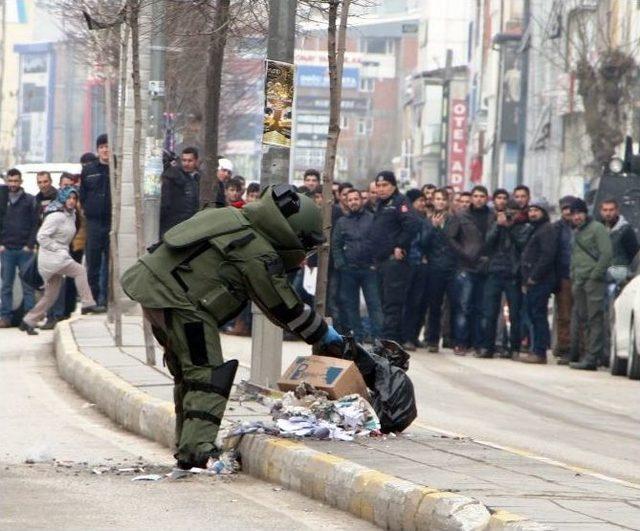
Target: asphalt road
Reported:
point(44, 421)
point(584, 419)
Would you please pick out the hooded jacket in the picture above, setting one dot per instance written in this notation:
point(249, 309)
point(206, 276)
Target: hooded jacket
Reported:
point(591, 253)
point(624, 242)
point(219, 259)
point(539, 254)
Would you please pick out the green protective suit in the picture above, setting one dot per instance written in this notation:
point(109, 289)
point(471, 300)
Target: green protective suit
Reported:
point(201, 275)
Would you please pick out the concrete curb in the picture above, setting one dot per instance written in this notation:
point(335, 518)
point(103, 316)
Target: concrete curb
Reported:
point(387, 501)
point(133, 409)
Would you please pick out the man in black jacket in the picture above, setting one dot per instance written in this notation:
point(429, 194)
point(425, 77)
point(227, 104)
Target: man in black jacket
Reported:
point(467, 234)
point(538, 269)
point(179, 196)
point(623, 238)
point(505, 241)
point(95, 198)
point(351, 246)
point(17, 241)
point(441, 262)
point(394, 227)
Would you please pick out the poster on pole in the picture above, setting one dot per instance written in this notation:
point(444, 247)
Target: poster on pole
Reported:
point(278, 103)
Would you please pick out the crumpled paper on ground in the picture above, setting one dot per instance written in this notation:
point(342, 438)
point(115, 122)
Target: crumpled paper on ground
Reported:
point(307, 412)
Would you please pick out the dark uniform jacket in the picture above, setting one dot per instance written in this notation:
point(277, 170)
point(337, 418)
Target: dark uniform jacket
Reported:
point(467, 238)
point(624, 242)
point(394, 225)
point(20, 224)
point(351, 243)
point(95, 193)
point(539, 255)
point(179, 197)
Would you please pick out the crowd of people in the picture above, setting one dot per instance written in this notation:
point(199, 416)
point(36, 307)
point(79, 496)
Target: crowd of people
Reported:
point(430, 268)
point(473, 271)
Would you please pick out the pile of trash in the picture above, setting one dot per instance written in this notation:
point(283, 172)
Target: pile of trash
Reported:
point(308, 412)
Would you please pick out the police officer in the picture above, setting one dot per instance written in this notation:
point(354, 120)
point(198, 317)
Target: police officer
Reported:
point(395, 225)
point(201, 275)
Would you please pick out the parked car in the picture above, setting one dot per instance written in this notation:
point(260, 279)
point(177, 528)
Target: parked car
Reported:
point(624, 357)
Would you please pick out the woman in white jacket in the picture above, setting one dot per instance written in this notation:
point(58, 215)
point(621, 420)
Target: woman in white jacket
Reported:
point(54, 260)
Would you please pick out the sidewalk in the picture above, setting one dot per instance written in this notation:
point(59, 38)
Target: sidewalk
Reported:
point(539, 491)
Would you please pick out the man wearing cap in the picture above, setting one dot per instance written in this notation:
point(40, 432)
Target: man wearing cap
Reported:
point(563, 299)
point(538, 271)
point(394, 226)
point(95, 198)
point(590, 258)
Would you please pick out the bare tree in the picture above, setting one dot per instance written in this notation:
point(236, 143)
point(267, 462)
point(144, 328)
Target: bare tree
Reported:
point(212, 100)
point(604, 69)
point(336, 41)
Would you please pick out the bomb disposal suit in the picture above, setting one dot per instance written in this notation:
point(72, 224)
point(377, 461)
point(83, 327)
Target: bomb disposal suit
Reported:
point(202, 274)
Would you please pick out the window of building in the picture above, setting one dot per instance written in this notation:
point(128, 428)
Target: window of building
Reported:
point(367, 84)
point(378, 45)
point(33, 98)
point(344, 121)
point(35, 63)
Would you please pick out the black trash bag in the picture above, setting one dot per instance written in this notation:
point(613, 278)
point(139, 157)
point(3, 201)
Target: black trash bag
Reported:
point(31, 276)
point(392, 394)
point(393, 352)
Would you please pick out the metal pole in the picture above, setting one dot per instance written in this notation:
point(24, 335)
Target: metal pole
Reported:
point(524, 91)
point(446, 109)
point(266, 345)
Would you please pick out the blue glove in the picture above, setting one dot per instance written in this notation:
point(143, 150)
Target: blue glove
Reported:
point(331, 337)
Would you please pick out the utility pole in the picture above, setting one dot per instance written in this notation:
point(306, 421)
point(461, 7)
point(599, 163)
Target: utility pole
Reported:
point(524, 90)
point(266, 345)
point(444, 125)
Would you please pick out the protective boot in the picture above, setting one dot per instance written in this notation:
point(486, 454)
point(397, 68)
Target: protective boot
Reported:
point(203, 406)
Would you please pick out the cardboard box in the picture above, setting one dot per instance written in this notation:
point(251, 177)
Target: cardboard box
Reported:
point(336, 377)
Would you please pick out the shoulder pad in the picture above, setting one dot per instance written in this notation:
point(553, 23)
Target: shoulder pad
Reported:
point(204, 225)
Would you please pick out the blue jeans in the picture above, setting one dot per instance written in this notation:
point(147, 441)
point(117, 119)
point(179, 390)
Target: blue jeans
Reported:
point(495, 286)
point(11, 260)
point(440, 283)
point(467, 305)
point(536, 303)
point(351, 281)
